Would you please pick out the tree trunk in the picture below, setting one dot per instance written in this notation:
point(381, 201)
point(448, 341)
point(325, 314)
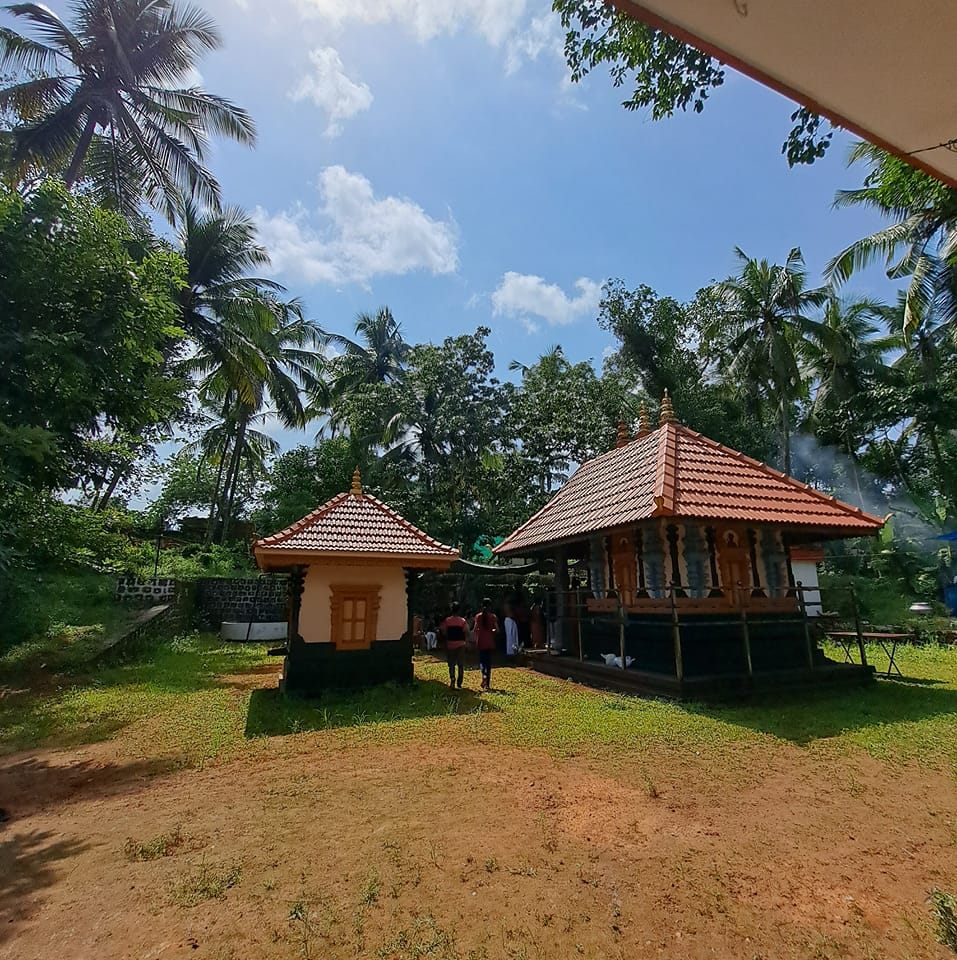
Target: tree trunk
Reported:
point(786, 432)
point(855, 469)
point(79, 154)
point(214, 503)
point(103, 501)
point(232, 482)
point(946, 489)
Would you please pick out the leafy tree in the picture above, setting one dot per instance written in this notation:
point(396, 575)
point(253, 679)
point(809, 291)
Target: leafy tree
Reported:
point(764, 317)
point(106, 106)
point(562, 414)
point(303, 479)
point(843, 355)
point(88, 321)
point(663, 346)
point(666, 73)
point(919, 245)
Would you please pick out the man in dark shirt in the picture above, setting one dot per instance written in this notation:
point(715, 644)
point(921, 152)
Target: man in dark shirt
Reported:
point(455, 630)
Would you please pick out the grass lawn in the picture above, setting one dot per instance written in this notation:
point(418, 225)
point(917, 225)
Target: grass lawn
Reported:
point(201, 700)
point(79, 613)
point(178, 796)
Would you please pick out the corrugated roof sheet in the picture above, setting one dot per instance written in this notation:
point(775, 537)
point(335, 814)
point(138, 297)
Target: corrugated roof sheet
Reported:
point(674, 471)
point(355, 523)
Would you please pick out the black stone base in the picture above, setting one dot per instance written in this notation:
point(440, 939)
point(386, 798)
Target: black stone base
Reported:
point(311, 668)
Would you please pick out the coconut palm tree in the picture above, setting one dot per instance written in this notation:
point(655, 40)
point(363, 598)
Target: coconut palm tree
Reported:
point(224, 310)
point(286, 364)
point(765, 314)
point(376, 356)
point(104, 101)
point(843, 356)
point(920, 243)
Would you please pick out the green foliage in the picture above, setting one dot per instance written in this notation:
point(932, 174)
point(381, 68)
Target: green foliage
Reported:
point(99, 103)
point(666, 73)
point(57, 620)
point(89, 318)
point(302, 479)
point(944, 908)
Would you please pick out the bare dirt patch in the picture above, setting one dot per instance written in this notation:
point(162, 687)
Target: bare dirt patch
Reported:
point(312, 849)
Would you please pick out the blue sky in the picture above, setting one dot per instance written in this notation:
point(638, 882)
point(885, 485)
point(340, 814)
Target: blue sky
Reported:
point(431, 156)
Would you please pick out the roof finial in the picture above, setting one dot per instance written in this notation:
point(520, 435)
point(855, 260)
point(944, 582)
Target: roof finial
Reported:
point(667, 414)
point(644, 424)
point(356, 490)
point(624, 438)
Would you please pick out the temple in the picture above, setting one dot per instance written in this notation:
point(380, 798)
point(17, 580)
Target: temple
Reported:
point(352, 563)
point(673, 553)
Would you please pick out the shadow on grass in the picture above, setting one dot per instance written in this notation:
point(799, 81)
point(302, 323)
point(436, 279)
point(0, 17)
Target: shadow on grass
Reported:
point(805, 716)
point(272, 713)
point(28, 864)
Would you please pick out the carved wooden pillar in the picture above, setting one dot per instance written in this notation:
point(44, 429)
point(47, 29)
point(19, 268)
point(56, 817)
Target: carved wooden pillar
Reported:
point(711, 536)
point(758, 590)
point(672, 534)
point(411, 577)
point(297, 583)
point(640, 564)
point(561, 596)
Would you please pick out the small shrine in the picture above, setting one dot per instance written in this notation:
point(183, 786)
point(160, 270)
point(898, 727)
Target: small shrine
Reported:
point(674, 557)
point(352, 563)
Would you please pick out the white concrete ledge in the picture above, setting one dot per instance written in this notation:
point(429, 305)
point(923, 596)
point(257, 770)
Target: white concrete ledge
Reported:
point(254, 631)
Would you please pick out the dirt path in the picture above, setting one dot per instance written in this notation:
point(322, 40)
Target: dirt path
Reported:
point(427, 851)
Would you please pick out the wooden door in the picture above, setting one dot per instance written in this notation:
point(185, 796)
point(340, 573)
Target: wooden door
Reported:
point(625, 566)
point(734, 564)
point(355, 615)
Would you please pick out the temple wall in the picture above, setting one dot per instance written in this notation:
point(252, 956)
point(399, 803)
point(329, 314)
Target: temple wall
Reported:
point(661, 538)
point(315, 617)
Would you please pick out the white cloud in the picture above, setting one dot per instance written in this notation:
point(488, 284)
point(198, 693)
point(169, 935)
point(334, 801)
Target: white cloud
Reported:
point(524, 297)
point(356, 235)
point(330, 89)
point(495, 20)
point(542, 35)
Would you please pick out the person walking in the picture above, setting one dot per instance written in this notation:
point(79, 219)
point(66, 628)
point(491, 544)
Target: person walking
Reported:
point(455, 630)
point(486, 633)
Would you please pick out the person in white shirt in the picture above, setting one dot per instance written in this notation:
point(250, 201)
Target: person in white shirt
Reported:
point(511, 633)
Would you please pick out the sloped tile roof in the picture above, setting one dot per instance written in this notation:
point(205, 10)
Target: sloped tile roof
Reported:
point(675, 472)
point(353, 523)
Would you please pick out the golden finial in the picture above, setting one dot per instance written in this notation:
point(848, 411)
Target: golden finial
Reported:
point(356, 490)
point(644, 424)
point(667, 414)
point(624, 437)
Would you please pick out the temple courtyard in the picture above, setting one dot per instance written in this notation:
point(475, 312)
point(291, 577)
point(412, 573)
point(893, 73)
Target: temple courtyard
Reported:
point(177, 806)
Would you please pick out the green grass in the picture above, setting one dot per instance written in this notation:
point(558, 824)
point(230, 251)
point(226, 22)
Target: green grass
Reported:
point(197, 700)
point(75, 614)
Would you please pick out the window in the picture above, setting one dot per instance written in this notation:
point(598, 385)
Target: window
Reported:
point(355, 615)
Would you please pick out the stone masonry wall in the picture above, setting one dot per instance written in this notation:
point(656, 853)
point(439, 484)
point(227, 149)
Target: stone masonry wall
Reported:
point(147, 593)
point(212, 600)
point(257, 599)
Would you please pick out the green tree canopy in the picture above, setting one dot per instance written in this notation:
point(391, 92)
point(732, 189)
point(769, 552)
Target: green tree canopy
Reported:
point(90, 316)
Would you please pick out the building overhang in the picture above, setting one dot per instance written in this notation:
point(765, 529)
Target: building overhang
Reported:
point(881, 69)
point(276, 561)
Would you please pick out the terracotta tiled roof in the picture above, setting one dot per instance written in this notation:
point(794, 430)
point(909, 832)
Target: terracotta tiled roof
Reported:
point(355, 523)
point(675, 472)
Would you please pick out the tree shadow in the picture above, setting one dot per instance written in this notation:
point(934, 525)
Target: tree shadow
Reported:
point(31, 784)
point(273, 714)
point(808, 715)
point(28, 864)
